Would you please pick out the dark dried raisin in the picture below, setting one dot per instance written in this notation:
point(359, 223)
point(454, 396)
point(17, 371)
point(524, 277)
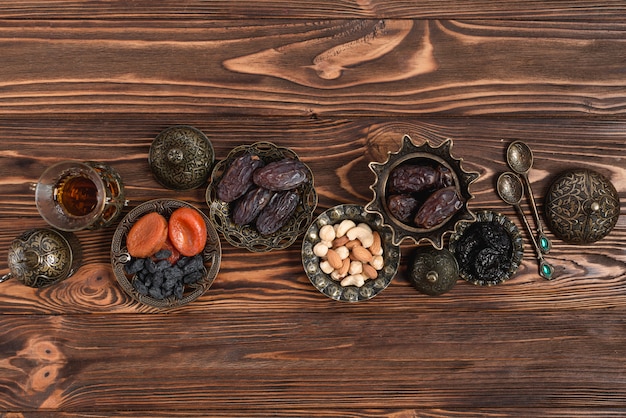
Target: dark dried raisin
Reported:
point(277, 212)
point(285, 174)
point(250, 205)
point(411, 178)
point(439, 206)
point(238, 177)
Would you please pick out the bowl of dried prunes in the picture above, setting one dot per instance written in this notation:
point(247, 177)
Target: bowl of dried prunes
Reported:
point(489, 250)
point(261, 197)
point(421, 192)
point(165, 253)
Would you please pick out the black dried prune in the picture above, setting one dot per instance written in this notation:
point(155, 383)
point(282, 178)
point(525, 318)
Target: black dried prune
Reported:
point(402, 207)
point(285, 174)
point(439, 206)
point(250, 205)
point(412, 178)
point(482, 256)
point(238, 177)
point(277, 212)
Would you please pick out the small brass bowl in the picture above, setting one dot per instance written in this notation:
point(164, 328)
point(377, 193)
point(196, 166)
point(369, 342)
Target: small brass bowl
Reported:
point(423, 155)
point(323, 282)
point(247, 236)
point(211, 255)
point(513, 257)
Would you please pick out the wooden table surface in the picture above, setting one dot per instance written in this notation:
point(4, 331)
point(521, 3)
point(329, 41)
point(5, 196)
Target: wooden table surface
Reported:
point(340, 83)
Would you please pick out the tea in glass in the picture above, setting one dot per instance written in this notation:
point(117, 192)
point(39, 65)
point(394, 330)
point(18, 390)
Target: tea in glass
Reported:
point(80, 195)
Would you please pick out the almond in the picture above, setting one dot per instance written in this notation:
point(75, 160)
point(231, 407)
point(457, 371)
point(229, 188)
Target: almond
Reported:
point(334, 259)
point(362, 254)
point(376, 248)
point(369, 271)
point(344, 267)
point(340, 242)
point(352, 243)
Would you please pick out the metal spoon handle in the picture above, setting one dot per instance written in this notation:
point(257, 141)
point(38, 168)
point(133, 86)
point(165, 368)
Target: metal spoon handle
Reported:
point(544, 242)
point(545, 269)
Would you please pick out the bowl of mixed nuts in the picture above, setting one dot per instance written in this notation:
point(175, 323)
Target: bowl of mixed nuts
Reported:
point(165, 253)
point(421, 192)
point(348, 254)
point(261, 197)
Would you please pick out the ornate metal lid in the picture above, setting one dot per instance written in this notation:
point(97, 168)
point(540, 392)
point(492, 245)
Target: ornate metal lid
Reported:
point(42, 257)
point(434, 272)
point(582, 206)
point(181, 158)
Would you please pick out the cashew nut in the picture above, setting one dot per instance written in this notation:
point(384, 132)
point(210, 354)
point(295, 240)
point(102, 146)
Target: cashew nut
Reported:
point(362, 234)
point(326, 267)
point(377, 262)
point(320, 249)
point(327, 233)
point(356, 267)
point(344, 227)
point(343, 252)
point(357, 280)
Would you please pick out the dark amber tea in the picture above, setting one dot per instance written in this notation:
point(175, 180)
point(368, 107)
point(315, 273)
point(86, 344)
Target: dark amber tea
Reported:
point(77, 195)
point(74, 195)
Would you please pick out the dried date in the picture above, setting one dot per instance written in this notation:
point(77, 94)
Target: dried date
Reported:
point(285, 174)
point(277, 212)
point(238, 177)
point(411, 178)
point(402, 207)
point(439, 206)
point(250, 205)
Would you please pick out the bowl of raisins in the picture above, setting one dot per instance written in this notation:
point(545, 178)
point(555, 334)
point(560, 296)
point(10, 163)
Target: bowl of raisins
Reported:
point(421, 192)
point(261, 197)
point(489, 250)
point(165, 253)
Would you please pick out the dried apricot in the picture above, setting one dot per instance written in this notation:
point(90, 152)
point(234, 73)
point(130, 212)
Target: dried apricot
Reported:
point(187, 231)
point(147, 235)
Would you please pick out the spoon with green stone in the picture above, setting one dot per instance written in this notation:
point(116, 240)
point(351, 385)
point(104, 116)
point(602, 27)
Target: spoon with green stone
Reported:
point(520, 159)
point(511, 191)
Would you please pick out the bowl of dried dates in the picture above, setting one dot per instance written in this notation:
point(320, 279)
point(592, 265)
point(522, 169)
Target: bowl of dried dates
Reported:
point(348, 255)
point(165, 253)
point(421, 192)
point(261, 197)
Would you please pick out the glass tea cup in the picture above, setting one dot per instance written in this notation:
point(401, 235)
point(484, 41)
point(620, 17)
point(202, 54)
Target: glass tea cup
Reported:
point(74, 195)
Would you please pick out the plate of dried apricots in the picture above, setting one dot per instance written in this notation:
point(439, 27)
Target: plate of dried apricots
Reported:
point(165, 253)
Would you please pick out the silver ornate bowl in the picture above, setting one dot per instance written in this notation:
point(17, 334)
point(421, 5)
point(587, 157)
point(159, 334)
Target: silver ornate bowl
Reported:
point(323, 282)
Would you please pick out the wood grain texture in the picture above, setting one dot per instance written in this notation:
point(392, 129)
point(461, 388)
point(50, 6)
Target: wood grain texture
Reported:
point(340, 83)
point(313, 67)
point(328, 9)
point(413, 361)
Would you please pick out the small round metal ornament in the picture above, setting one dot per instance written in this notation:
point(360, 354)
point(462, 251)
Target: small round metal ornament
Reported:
point(42, 257)
point(434, 272)
point(582, 206)
point(426, 153)
point(181, 158)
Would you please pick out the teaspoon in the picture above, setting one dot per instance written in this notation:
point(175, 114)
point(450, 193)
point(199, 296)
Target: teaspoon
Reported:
point(520, 159)
point(511, 191)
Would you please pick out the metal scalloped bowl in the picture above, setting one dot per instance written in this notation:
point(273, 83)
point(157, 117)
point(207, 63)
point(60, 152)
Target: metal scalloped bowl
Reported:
point(323, 282)
point(212, 255)
point(423, 154)
point(247, 236)
point(515, 257)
